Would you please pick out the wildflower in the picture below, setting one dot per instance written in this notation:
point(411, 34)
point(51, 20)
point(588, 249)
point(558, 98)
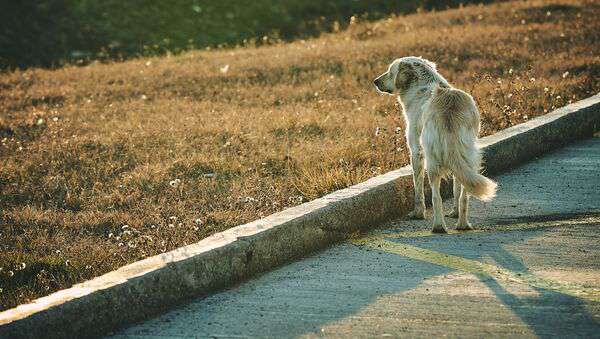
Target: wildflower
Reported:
point(532, 79)
point(68, 262)
point(144, 97)
point(148, 63)
point(174, 183)
point(88, 267)
point(377, 131)
point(510, 71)
point(110, 235)
point(55, 119)
point(224, 69)
point(40, 121)
point(546, 89)
point(565, 74)
point(58, 251)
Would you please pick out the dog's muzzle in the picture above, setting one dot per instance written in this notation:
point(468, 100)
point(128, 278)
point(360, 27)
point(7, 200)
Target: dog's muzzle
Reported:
point(378, 84)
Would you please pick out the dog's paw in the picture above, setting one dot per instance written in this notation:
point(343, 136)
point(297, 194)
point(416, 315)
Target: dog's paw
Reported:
point(464, 226)
point(440, 228)
point(417, 214)
point(453, 213)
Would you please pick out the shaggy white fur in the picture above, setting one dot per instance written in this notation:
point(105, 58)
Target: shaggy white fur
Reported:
point(442, 124)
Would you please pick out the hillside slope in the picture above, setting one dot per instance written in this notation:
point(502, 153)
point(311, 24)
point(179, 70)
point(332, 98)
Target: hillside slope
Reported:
point(106, 164)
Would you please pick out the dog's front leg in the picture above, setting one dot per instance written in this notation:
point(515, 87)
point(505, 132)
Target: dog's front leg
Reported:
point(456, 189)
point(416, 161)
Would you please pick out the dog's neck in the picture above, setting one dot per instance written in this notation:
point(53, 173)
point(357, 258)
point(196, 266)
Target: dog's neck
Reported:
point(414, 97)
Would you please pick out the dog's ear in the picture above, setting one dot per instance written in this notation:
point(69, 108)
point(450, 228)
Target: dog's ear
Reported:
point(405, 76)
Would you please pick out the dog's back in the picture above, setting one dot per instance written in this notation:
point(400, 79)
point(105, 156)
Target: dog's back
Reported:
point(450, 129)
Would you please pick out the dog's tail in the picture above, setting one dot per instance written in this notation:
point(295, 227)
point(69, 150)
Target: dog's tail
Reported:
point(465, 169)
point(479, 186)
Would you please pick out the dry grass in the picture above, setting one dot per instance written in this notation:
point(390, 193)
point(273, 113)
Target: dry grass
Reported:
point(89, 153)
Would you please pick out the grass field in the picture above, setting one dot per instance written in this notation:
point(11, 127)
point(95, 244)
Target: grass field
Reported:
point(106, 164)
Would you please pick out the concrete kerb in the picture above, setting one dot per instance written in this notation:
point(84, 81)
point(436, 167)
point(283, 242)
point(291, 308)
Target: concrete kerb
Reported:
point(150, 286)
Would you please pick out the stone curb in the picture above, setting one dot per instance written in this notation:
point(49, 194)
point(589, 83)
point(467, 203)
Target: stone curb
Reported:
point(150, 286)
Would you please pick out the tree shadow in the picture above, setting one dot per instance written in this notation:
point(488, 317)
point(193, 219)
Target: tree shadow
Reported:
point(339, 283)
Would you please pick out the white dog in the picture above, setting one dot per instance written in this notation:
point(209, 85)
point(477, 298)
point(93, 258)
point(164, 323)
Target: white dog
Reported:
point(443, 122)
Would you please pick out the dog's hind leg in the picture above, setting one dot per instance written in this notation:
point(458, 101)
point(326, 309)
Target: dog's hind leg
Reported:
point(456, 189)
point(439, 225)
point(463, 211)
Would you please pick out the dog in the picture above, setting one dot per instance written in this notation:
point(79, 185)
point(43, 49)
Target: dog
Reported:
point(442, 125)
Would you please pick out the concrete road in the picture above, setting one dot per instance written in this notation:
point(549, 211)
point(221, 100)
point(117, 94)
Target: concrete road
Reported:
point(531, 270)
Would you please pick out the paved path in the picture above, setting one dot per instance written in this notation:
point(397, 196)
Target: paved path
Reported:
point(532, 269)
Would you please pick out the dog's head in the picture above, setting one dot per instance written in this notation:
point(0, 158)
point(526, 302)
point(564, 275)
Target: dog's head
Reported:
point(404, 73)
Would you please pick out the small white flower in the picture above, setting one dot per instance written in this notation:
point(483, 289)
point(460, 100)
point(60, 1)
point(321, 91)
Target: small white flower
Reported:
point(68, 262)
point(224, 69)
point(377, 131)
point(55, 119)
point(144, 97)
point(565, 74)
point(148, 63)
point(40, 121)
point(510, 71)
point(174, 183)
